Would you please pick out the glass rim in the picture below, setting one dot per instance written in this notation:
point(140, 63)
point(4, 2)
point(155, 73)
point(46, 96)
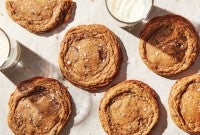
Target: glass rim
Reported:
point(128, 23)
point(9, 43)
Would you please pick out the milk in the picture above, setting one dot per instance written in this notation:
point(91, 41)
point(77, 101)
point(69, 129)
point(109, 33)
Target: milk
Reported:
point(127, 10)
point(4, 47)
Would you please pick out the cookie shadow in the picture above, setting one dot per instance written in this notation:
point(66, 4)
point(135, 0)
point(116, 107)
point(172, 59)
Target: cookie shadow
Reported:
point(122, 75)
point(67, 128)
point(195, 67)
point(195, 134)
point(123, 70)
point(161, 125)
point(30, 65)
point(61, 27)
point(136, 29)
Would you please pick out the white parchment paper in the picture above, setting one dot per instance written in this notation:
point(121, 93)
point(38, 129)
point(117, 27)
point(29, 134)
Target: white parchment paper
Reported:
point(39, 57)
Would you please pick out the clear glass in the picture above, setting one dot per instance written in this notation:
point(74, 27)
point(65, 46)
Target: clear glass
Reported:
point(13, 55)
point(148, 4)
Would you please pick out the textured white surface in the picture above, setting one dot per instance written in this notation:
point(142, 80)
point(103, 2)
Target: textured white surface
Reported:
point(39, 57)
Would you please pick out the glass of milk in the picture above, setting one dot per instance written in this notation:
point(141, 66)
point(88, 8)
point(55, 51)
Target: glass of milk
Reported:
point(128, 12)
point(9, 51)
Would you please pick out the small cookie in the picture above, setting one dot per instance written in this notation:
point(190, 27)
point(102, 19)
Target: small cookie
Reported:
point(129, 108)
point(39, 106)
point(39, 16)
point(184, 103)
point(168, 44)
point(90, 56)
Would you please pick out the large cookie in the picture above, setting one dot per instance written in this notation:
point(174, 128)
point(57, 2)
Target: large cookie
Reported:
point(39, 16)
point(168, 44)
point(90, 56)
point(184, 103)
point(39, 106)
point(129, 108)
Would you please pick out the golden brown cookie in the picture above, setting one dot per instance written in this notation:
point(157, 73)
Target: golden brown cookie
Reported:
point(168, 44)
point(90, 56)
point(39, 16)
point(129, 108)
point(39, 106)
point(184, 103)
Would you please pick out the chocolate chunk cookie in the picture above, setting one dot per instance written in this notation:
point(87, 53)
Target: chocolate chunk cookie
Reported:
point(90, 56)
point(168, 44)
point(39, 106)
point(129, 108)
point(39, 16)
point(184, 103)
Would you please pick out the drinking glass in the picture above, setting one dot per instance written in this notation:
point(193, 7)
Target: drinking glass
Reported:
point(9, 51)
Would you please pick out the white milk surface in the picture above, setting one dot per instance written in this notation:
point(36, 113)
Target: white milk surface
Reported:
point(126, 10)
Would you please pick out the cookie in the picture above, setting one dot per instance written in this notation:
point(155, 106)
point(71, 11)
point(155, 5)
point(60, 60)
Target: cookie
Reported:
point(39, 106)
point(184, 103)
point(90, 56)
point(39, 16)
point(129, 108)
point(168, 44)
